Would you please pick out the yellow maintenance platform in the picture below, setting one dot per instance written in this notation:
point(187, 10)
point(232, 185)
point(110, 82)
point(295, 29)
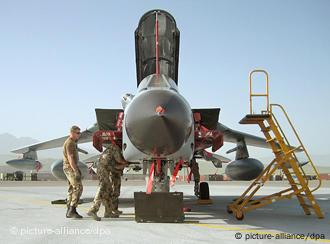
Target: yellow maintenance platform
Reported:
point(285, 160)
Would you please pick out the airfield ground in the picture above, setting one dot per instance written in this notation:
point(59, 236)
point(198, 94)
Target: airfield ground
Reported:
point(27, 216)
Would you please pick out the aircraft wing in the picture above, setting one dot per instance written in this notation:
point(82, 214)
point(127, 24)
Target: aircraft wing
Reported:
point(106, 119)
point(230, 135)
point(86, 136)
point(233, 136)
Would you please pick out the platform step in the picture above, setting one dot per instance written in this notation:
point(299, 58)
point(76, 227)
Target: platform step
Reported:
point(254, 118)
point(293, 150)
point(304, 163)
point(266, 129)
point(271, 140)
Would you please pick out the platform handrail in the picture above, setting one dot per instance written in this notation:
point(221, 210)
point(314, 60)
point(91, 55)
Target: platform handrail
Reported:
point(299, 140)
point(288, 144)
point(251, 95)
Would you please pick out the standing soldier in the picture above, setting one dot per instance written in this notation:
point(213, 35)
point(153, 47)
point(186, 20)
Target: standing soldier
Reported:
point(72, 172)
point(103, 194)
point(116, 171)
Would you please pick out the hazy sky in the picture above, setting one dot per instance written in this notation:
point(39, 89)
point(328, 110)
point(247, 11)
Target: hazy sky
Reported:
point(61, 59)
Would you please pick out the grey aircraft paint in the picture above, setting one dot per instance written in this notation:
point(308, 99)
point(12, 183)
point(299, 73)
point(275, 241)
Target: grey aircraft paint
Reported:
point(57, 169)
point(24, 164)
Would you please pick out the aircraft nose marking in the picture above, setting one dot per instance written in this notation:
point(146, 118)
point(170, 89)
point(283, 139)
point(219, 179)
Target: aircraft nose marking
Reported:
point(160, 110)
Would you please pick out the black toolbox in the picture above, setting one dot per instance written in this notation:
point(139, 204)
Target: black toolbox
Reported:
point(162, 207)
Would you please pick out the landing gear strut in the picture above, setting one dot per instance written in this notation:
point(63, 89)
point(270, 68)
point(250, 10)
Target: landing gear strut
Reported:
point(196, 189)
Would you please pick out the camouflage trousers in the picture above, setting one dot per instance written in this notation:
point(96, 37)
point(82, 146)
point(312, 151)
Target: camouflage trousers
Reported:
point(75, 187)
point(115, 188)
point(103, 191)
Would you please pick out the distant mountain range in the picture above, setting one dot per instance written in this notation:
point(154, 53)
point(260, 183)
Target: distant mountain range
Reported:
point(9, 142)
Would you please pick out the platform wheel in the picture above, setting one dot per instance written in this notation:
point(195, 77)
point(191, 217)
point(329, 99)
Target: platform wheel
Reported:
point(239, 215)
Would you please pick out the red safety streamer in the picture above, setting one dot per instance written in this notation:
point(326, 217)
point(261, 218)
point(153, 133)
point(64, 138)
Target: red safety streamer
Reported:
point(151, 179)
point(175, 172)
point(158, 161)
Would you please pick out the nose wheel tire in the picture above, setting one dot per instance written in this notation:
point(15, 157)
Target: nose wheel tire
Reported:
point(204, 191)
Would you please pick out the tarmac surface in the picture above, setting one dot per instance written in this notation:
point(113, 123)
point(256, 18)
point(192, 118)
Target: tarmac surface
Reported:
point(27, 216)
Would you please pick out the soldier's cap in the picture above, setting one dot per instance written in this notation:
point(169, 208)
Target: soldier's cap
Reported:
point(74, 128)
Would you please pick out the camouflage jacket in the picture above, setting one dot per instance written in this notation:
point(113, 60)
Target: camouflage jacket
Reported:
point(112, 159)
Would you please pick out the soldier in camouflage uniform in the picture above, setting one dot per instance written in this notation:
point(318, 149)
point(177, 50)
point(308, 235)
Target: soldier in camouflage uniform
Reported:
point(103, 195)
point(72, 172)
point(195, 171)
point(115, 176)
point(116, 172)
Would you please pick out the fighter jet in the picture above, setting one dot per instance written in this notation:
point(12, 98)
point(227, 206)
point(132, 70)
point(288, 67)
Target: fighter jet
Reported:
point(156, 128)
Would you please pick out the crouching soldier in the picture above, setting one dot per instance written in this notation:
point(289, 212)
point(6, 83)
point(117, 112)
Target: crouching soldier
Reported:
point(116, 172)
point(103, 194)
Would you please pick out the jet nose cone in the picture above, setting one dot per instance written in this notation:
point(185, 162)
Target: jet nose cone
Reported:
point(158, 122)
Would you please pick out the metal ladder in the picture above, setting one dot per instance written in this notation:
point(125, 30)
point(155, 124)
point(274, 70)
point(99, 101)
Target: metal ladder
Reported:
point(285, 160)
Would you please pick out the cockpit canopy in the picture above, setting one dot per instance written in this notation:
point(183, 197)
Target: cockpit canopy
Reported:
point(168, 45)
